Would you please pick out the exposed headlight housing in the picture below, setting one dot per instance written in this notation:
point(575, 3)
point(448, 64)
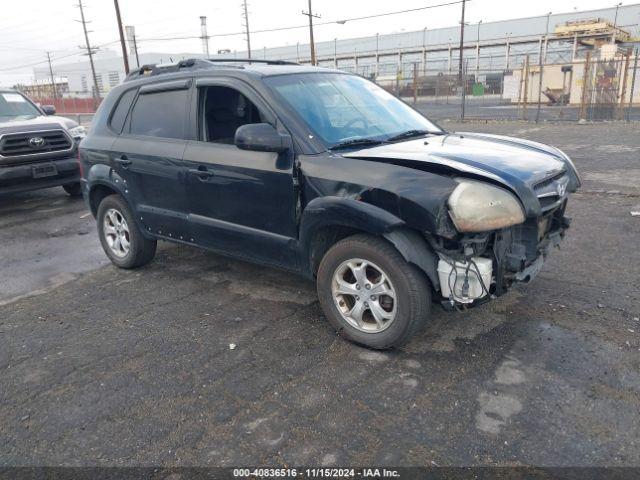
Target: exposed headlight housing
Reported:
point(78, 132)
point(480, 207)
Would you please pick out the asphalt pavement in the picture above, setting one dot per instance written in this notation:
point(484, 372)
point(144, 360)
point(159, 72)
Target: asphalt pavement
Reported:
point(101, 366)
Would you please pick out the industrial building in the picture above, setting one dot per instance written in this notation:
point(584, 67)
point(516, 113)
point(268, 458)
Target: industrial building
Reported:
point(425, 62)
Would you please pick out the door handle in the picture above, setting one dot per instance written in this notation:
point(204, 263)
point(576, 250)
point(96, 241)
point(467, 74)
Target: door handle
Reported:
point(202, 173)
point(123, 160)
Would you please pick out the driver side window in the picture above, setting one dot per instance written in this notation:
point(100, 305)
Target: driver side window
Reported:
point(222, 111)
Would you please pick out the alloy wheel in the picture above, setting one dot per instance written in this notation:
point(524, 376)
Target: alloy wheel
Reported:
point(116, 233)
point(364, 295)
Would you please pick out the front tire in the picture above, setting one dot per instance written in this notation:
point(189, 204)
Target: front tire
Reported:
point(370, 294)
point(120, 236)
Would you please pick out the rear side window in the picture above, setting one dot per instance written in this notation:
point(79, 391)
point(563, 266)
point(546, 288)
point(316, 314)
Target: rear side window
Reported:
point(160, 114)
point(119, 114)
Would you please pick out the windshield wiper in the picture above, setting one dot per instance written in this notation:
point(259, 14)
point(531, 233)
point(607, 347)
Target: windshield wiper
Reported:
point(410, 134)
point(356, 142)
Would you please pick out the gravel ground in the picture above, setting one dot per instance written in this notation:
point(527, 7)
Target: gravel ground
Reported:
point(101, 366)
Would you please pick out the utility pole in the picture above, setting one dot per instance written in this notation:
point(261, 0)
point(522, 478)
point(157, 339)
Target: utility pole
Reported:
point(311, 42)
point(478, 52)
point(633, 83)
point(125, 57)
point(53, 81)
point(542, 55)
point(246, 26)
point(461, 42)
point(203, 36)
point(90, 52)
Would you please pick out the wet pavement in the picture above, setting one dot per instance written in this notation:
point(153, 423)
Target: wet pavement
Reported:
point(101, 366)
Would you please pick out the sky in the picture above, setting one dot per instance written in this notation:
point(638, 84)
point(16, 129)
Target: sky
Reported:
point(30, 28)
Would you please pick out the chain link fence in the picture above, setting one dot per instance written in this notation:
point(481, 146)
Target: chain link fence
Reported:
point(586, 89)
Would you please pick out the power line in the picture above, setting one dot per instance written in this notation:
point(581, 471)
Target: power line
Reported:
point(293, 27)
point(61, 57)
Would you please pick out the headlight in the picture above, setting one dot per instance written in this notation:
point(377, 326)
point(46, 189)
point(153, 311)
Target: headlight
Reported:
point(479, 207)
point(78, 132)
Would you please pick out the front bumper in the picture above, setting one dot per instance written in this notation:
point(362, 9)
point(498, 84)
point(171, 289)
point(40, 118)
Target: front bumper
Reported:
point(514, 254)
point(20, 178)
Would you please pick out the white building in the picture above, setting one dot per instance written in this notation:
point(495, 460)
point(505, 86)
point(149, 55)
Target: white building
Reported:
point(109, 70)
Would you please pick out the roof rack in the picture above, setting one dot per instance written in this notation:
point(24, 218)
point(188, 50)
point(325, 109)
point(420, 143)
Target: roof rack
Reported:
point(160, 68)
point(251, 60)
point(196, 63)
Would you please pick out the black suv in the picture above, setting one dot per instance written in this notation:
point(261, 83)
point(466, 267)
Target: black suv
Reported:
point(37, 149)
point(327, 175)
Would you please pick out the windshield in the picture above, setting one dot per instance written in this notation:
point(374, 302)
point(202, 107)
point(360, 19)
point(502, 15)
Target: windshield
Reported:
point(13, 104)
point(340, 108)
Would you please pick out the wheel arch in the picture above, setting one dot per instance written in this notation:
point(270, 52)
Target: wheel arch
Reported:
point(104, 181)
point(327, 220)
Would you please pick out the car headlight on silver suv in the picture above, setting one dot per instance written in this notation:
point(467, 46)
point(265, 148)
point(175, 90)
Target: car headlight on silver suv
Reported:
point(78, 132)
point(480, 207)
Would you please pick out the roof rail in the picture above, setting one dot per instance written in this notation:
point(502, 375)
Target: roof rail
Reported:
point(195, 63)
point(157, 69)
point(251, 60)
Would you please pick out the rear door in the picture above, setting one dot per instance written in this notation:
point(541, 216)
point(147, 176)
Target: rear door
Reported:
point(148, 156)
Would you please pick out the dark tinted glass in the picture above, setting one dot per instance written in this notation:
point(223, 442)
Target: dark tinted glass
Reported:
point(160, 114)
point(121, 110)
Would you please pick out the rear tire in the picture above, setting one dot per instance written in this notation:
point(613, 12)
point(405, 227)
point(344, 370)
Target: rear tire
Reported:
point(359, 266)
point(73, 189)
point(121, 239)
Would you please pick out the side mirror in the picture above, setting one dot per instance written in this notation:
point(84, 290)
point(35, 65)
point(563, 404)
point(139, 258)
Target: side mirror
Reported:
point(49, 109)
point(260, 137)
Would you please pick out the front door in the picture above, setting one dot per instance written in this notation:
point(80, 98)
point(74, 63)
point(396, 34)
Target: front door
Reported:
point(241, 202)
point(148, 156)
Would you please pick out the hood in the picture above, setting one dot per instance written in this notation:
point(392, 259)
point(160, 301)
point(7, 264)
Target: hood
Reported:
point(517, 164)
point(36, 123)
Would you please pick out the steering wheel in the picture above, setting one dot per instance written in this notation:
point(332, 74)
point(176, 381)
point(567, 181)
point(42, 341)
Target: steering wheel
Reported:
point(350, 124)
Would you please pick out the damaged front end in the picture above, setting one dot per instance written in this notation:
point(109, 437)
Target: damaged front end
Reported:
point(474, 267)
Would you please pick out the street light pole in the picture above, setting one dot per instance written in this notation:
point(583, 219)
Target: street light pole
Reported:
point(615, 24)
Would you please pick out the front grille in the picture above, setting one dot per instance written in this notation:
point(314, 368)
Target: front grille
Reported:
point(16, 144)
point(548, 181)
point(551, 191)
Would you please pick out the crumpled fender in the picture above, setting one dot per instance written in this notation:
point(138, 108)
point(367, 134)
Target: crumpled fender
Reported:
point(347, 212)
